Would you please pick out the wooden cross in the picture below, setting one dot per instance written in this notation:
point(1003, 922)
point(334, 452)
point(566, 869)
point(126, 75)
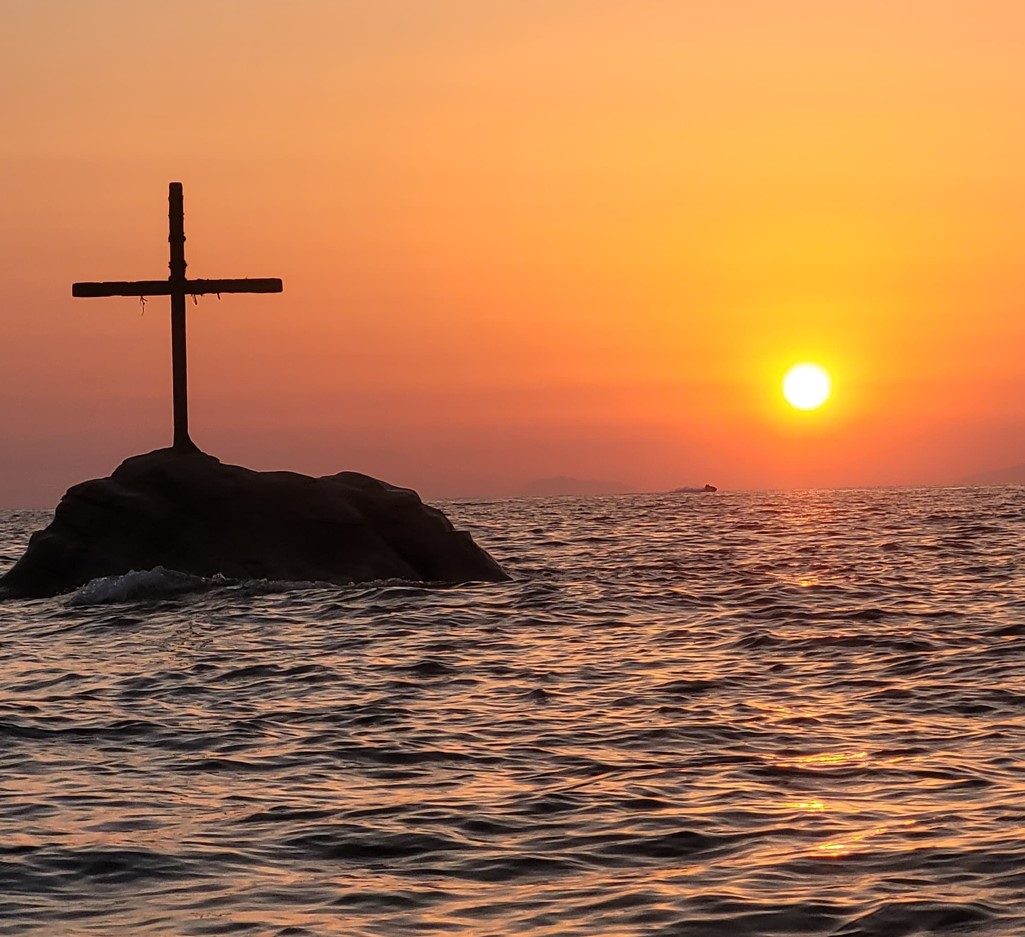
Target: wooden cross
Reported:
point(177, 287)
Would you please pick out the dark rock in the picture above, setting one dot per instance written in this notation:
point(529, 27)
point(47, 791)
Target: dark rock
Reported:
point(188, 512)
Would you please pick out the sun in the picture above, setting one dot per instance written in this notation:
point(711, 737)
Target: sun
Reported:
point(806, 386)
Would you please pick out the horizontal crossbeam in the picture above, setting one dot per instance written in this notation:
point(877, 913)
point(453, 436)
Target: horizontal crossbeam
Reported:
point(245, 285)
point(113, 288)
point(163, 287)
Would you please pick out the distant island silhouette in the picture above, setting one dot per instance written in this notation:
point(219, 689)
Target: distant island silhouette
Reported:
point(564, 485)
point(1013, 475)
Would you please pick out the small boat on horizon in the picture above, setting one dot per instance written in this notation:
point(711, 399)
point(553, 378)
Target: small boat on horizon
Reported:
point(694, 491)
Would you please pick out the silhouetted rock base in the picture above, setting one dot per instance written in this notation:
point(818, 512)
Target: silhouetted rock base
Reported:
point(188, 512)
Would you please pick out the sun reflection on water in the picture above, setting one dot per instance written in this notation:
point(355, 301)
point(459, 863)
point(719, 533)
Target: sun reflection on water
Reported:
point(807, 805)
point(856, 842)
point(821, 760)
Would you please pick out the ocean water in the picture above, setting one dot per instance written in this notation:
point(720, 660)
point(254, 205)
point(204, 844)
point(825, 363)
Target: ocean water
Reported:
point(759, 714)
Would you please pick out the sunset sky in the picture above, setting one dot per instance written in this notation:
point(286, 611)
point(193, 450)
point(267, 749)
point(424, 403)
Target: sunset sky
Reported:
point(519, 239)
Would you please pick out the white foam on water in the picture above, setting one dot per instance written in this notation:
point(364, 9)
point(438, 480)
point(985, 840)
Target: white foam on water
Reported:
point(160, 582)
point(275, 586)
point(138, 584)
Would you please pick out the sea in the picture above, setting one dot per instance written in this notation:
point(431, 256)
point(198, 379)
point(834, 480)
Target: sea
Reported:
point(741, 713)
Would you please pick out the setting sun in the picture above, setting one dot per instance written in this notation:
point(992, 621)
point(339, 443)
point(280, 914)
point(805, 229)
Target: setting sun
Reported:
point(806, 386)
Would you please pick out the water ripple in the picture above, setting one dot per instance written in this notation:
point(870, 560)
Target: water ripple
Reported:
point(756, 713)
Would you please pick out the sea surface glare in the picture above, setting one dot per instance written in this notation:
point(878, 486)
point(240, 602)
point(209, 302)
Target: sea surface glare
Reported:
point(736, 714)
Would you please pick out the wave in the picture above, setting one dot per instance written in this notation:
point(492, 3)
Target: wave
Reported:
point(156, 583)
point(162, 583)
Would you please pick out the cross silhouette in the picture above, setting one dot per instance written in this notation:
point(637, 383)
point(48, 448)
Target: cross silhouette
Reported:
point(177, 287)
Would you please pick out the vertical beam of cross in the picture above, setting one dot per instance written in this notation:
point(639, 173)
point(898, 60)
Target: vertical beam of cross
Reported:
point(179, 363)
point(177, 286)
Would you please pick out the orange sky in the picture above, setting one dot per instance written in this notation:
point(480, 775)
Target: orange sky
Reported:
point(519, 239)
